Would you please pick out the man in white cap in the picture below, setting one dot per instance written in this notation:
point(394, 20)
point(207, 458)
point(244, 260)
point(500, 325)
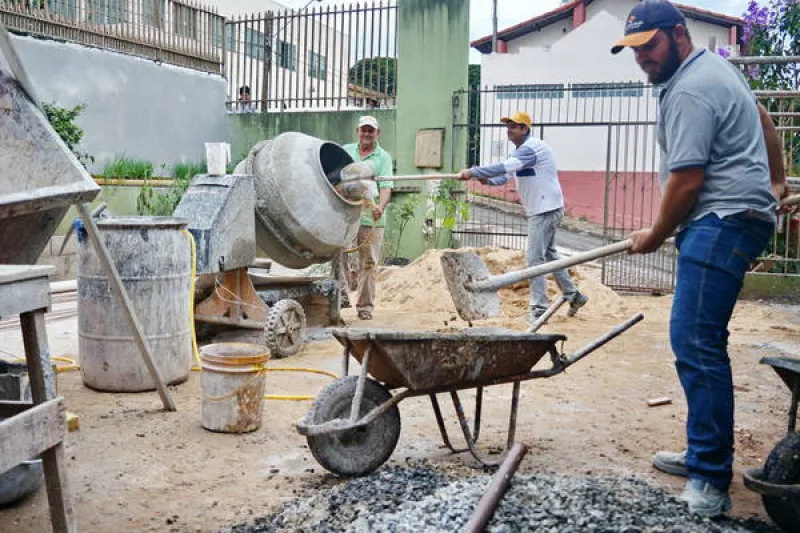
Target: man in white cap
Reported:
point(370, 234)
point(533, 164)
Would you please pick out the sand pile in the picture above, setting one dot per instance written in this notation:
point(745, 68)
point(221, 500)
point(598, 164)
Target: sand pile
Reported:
point(420, 286)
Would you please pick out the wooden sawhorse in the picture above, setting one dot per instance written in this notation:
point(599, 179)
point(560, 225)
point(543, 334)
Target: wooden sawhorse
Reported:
point(38, 427)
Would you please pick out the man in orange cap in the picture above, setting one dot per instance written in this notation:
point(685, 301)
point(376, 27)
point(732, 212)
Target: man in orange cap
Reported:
point(721, 174)
point(533, 164)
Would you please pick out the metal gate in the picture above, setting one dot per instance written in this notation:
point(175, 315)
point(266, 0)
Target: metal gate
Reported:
point(603, 136)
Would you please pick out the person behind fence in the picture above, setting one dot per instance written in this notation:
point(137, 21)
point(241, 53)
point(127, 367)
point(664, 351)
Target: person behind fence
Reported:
point(370, 235)
point(721, 174)
point(245, 104)
point(533, 164)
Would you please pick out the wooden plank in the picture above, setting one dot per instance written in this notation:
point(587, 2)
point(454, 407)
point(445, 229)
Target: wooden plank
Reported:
point(55, 477)
point(9, 273)
point(24, 296)
point(9, 408)
point(37, 355)
point(30, 433)
point(127, 307)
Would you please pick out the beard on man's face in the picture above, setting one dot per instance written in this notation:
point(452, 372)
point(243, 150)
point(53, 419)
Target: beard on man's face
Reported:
point(670, 65)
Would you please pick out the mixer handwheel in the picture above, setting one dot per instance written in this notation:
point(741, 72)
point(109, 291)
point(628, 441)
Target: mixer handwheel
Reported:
point(285, 328)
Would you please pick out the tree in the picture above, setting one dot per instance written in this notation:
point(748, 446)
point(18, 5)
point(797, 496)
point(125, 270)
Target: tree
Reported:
point(772, 29)
point(375, 73)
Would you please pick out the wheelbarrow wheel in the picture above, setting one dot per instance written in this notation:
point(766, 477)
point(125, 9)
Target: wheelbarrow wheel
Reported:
point(783, 468)
point(285, 329)
point(357, 451)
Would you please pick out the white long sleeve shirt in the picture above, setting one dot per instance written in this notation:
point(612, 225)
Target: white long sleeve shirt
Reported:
point(533, 164)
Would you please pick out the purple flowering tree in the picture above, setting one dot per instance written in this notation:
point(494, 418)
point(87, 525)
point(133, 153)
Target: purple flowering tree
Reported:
point(772, 28)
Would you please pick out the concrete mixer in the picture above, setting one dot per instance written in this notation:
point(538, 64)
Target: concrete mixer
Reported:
point(280, 199)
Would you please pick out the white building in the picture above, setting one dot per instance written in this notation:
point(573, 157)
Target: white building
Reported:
point(558, 67)
point(301, 47)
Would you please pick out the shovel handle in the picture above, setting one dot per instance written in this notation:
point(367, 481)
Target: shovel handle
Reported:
point(504, 280)
point(415, 177)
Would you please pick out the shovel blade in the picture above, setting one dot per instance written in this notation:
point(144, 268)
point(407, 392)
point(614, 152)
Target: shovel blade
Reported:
point(462, 269)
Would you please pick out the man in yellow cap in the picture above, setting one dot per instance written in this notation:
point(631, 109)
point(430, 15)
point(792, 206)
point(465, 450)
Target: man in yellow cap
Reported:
point(721, 174)
point(533, 164)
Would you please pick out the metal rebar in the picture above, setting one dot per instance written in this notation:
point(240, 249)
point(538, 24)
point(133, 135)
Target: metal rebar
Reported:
point(500, 482)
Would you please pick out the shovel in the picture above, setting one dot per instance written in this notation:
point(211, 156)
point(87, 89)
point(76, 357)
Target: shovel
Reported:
point(363, 170)
point(474, 289)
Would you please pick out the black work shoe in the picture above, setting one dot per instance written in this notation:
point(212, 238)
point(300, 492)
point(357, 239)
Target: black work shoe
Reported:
point(578, 300)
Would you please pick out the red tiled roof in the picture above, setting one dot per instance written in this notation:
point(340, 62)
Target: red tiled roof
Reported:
point(565, 11)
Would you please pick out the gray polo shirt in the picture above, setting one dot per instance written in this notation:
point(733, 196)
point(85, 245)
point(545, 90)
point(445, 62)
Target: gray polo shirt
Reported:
point(708, 118)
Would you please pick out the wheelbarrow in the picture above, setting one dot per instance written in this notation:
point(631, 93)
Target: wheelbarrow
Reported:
point(353, 425)
point(778, 481)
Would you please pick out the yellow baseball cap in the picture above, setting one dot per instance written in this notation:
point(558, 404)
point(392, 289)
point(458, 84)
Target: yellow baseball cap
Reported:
point(520, 117)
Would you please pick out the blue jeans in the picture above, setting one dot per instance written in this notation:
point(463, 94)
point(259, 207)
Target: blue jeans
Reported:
point(713, 257)
point(542, 249)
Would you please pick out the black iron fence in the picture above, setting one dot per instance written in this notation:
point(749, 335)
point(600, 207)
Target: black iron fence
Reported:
point(181, 33)
point(320, 58)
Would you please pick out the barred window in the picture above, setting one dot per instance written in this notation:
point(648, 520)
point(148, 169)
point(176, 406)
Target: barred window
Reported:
point(65, 8)
point(603, 90)
point(106, 11)
point(317, 66)
point(546, 91)
point(184, 20)
point(254, 44)
point(286, 54)
point(153, 12)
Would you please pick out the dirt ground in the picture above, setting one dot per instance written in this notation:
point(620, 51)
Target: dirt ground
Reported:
point(135, 468)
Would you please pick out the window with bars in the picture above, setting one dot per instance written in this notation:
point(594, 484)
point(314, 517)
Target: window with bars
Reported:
point(106, 11)
point(286, 55)
point(317, 66)
point(153, 12)
point(64, 8)
point(231, 35)
point(254, 44)
point(184, 20)
point(547, 91)
point(604, 90)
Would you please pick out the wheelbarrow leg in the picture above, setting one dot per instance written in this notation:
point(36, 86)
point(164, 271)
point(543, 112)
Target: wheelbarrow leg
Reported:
point(462, 420)
point(442, 429)
point(512, 421)
point(476, 427)
point(793, 405)
point(440, 420)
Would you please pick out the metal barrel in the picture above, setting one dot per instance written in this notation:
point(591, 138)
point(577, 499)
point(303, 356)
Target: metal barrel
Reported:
point(153, 259)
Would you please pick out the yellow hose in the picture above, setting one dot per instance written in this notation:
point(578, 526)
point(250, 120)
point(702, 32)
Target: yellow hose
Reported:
point(196, 352)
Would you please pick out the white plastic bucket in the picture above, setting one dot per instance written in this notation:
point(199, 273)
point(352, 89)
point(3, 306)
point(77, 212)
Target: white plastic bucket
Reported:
point(233, 386)
point(218, 155)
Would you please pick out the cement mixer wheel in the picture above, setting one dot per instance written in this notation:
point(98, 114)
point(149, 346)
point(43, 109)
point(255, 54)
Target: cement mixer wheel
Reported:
point(285, 328)
point(783, 468)
point(359, 451)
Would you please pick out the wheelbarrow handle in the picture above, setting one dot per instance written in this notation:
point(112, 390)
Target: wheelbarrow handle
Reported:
point(509, 278)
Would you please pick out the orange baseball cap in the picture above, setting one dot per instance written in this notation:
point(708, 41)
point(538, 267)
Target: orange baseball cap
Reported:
point(645, 20)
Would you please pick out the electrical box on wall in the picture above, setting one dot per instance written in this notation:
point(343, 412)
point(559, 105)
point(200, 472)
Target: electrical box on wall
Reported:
point(429, 147)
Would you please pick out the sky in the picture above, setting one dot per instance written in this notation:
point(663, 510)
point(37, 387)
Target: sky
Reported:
point(510, 12)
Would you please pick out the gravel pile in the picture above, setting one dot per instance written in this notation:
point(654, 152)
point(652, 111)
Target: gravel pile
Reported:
point(418, 500)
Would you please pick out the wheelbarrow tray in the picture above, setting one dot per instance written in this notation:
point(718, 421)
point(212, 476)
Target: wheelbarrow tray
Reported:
point(422, 360)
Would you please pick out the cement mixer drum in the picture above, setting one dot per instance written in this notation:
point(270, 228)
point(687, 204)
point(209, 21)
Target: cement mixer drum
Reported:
point(300, 218)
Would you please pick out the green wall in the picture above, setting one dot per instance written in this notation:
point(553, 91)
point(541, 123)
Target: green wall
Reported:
point(433, 58)
point(336, 126)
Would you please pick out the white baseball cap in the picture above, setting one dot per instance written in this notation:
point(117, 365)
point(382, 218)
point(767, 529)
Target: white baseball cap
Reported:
point(368, 120)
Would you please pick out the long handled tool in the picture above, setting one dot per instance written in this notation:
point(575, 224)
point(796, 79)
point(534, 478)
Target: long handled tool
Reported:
point(474, 289)
point(363, 170)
